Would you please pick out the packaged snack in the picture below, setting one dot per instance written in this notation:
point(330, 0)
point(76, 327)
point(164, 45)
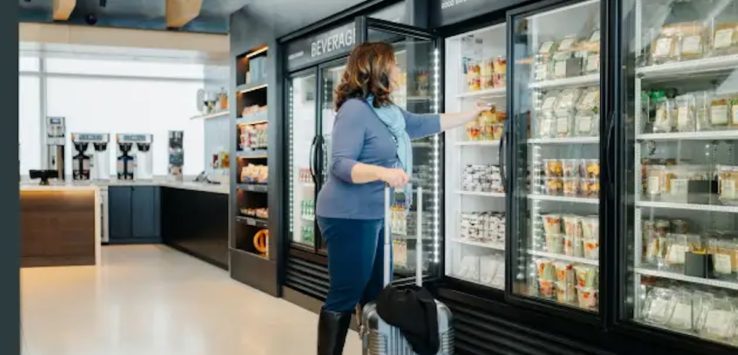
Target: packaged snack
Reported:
point(686, 117)
point(590, 168)
point(589, 187)
point(570, 167)
point(498, 129)
point(547, 48)
point(586, 275)
point(591, 248)
point(656, 179)
point(553, 186)
point(487, 120)
point(677, 247)
point(728, 184)
point(547, 127)
point(486, 72)
point(564, 126)
point(692, 38)
point(546, 288)
point(566, 102)
point(564, 272)
point(565, 65)
point(720, 319)
point(473, 131)
point(567, 44)
point(587, 297)
point(571, 186)
point(592, 62)
point(553, 167)
point(725, 38)
point(555, 243)
point(545, 269)
point(474, 76)
point(548, 104)
point(589, 101)
point(572, 226)
point(721, 256)
point(734, 112)
point(573, 246)
point(664, 112)
point(658, 306)
point(500, 72)
point(720, 112)
point(683, 315)
point(702, 100)
point(551, 223)
point(565, 292)
point(591, 227)
point(666, 46)
point(586, 124)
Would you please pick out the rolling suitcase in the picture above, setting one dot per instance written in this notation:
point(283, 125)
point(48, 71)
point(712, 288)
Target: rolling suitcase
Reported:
point(380, 338)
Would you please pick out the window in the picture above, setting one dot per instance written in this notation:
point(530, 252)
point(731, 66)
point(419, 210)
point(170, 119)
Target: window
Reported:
point(29, 119)
point(104, 105)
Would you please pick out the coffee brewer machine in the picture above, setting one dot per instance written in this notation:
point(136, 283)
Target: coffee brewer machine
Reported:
point(176, 154)
point(55, 142)
point(91, 161)
point(134, 160)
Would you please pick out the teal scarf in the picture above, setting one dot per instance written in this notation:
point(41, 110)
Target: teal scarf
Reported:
point(392, 117)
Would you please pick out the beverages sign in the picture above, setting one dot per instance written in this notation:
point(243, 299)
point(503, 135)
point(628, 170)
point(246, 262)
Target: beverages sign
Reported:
point(315, 48)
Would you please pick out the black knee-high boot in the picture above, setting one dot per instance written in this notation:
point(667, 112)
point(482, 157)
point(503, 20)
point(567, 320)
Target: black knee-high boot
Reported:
point(332, 329)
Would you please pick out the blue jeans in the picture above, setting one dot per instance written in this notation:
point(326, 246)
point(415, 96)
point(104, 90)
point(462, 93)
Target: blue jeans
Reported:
point(355, 261)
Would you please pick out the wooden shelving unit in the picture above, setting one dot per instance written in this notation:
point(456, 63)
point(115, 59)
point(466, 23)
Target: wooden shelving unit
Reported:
point(252, 259)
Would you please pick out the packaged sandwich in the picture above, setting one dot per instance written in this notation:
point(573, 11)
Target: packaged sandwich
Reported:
point(725, 38)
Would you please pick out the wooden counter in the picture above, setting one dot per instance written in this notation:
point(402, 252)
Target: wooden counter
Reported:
point(60, 225)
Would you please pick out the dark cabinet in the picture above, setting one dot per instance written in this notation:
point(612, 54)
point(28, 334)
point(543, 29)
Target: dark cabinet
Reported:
point(134, 213)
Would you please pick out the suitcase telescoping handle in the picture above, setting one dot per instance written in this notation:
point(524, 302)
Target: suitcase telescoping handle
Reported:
point(418, 235)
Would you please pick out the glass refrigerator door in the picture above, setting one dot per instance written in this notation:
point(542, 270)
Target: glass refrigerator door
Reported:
point(555, 156)
point(302, 121)
point(330, 76)
point(417, 57)
point(681, 128)
point(475, 70)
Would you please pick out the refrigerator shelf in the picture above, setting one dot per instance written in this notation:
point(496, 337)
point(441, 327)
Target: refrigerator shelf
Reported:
point(565, 140)
point(687, 206)
point(539, 197)
point(308, 218)
point(253, 187)
point(478, 143)
point(693, 136)
point(489, 93)
point(682, 69)
point(480, 193)
point(253, 118)
point(583, 80)
point(500, 247)
point(573, 259)
point(691, 279)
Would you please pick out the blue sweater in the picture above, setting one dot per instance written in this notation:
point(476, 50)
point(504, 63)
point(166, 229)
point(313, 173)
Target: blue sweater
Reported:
point(360, 137)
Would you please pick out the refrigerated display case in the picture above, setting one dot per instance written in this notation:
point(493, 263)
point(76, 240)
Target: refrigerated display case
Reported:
point(555, 149)
point(302, 120)
point(475, 71)
point(680, 128)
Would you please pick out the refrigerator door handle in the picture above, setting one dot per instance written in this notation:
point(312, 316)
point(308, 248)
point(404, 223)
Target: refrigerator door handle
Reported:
point(501, 156)
point(608, 151)
point(313, 157)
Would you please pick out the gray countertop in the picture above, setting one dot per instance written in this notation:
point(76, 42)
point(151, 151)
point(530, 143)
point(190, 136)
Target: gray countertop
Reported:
point(185, 185)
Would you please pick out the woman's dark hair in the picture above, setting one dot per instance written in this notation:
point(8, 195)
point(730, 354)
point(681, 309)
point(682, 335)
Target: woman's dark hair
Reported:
point(367, 73)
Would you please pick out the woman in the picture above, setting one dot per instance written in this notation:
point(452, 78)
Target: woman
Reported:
point(371, 149)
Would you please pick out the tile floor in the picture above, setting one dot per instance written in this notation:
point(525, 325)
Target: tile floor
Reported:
point(150, 299)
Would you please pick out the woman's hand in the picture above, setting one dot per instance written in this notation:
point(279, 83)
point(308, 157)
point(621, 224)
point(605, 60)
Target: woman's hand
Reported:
point(394, 177)
point(451, 120)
